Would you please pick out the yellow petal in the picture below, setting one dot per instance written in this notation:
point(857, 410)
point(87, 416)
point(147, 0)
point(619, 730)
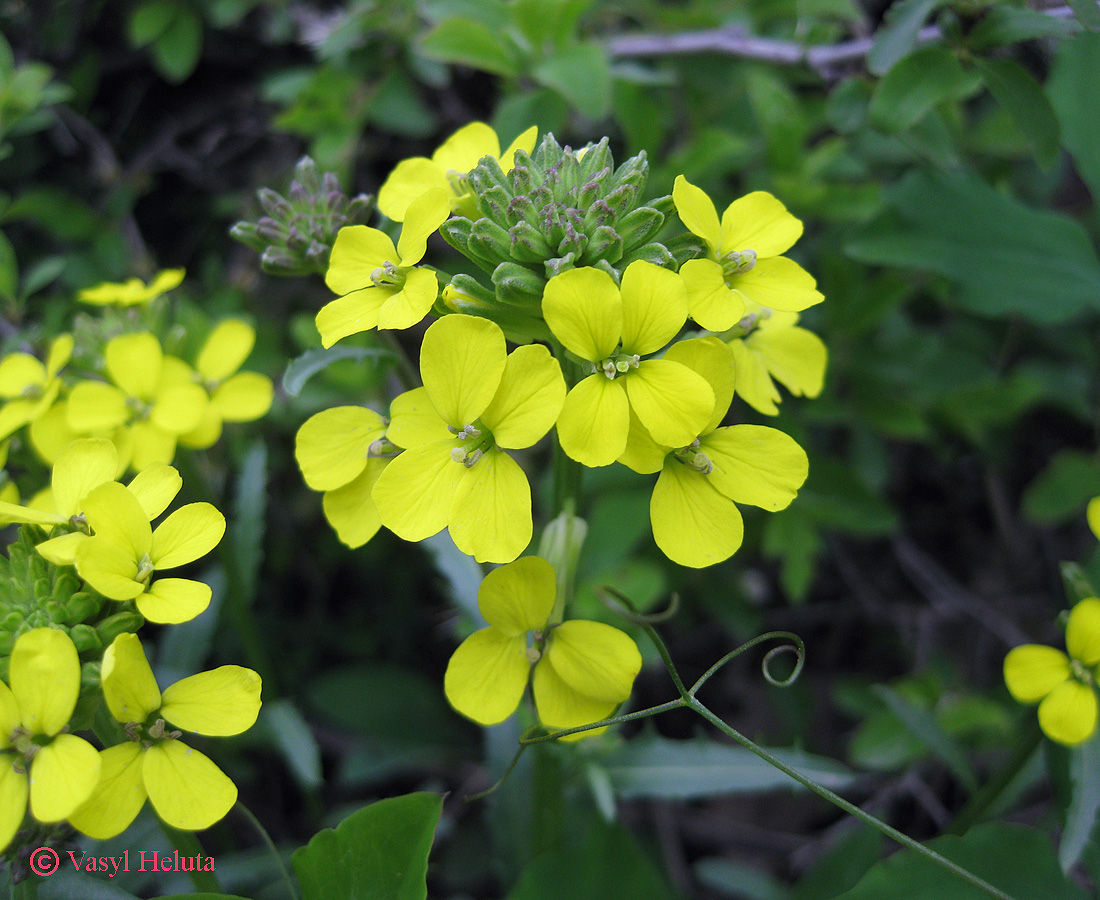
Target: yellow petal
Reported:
point(186, 789)
point(129, 687)
point(594, 659)
point(190, 532)
point(793, 356)
point(243, 398)
point(528, 400)
point(133, 363)
point(154, 487)
point(1083, 631)
point(490, 516)
point(179, 408)
point(220, 702)
point(356, 253)
point(464, 149)
point(1034, 670)
point(1092, 515)
point(61, 550)
point(595, 420)
point(525, 142)
point(170, 601)
point(404, 308)
point(754, 385)
point(696, 211)
point(114, 513)
point(225, 349)
point(643, 454)
point(486, 676)
point(61, 350)
point(756, 464)
point(109, 567)
point(17, 372)
point(410, 179)
point(44, 673)
point(1068, 713)
point(331, 446)
point(779, 283)
point(414, 494)
point(710, 301)
point(350, 509)
point(422, 219)
point(671, 401)
point(350, 314)
point(414, 421)
point(462, 360)
point(760, 222)
point(584, 310)
point(83, 465)
point(63, 775)
point(714, 360)
point(117, 798)
point(560, 706)
point(655, 307)
point(151, 445)
point(13, 799)
point(693, 524)
point(518, 597)
point(9, 716)
point(95, 406)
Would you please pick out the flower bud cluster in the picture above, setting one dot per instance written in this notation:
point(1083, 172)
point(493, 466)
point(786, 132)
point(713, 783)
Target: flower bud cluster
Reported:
point(296, 233)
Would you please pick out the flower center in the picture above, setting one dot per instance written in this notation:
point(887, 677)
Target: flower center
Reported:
point(618, 364)
point(693, 458)
point(145, 570)
point(388, 275)
point(476, 440)
point(1081, 672)
point(459, 182)
point(736, 262)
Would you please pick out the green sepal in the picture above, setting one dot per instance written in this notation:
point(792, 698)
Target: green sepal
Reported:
point(605, 243)
point(639, 225)
point(456, 232)
point(490, 241)
point(658, 254)
point(86, 638)
point(518, 286)
point(119, 623)
point(528, 243)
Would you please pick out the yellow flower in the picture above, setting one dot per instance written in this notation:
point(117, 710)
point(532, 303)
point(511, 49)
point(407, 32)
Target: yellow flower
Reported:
point(1092, 515)
point(29, 387)
point(234, 396)
point(122, 554)
point(187, 790)
point(447, 170)
point(477, 402)
point(743, 261)
point(1063, 686)
point(612, 330)
point(693, 509)
point(582, 670)
point(335, 450)
point(57, 770)
point(380, 283)
point(133, 292)
point(154, 395)
point(777, 348)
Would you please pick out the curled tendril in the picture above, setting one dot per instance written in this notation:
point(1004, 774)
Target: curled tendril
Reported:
point(627, 610)
point(800, 659)
point(796, 646)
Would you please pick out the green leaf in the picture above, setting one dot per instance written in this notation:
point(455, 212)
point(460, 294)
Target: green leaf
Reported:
point(246, 531)
point(1087, 12)
point(151, 20)
point(470, 44)
point(1014, 858)
point(313, 361)
point(548, 23)
point(1074, 91)
point(1062, 489)
point(919, 82)
point(736, 879)
point(201, 897)
point(295, 741)
point(9, 269)
point(1023, 99)
point(176, 52)
point(582, 75)
point(1075, 582)
point(1007, 258)
point(1084, 805)
point(924, 727)
point(898, 35)
point(654, 766)
point(1003, 25)
point(846, 108)
point(41, 273)
point(842, 865)
point(377, 853)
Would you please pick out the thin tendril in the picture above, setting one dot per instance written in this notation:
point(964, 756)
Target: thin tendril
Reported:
point(797, 646)
point(481, 795)
point(266, 838)
point(631, 612)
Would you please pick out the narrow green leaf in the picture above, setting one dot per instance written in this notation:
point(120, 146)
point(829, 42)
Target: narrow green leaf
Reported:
point(295, 741)
point(377, 853)
point(9, 269)
point(1075, 582)
point(1023, 99)
point(582, 75)
point(151, 20)
point(246, 531)
point(919, 82)
point(923, 726)
point(1084, 806)
point(728, 878)
point(176, 52)
point(470, 44)
point(1061, 490)
point(1004, 25)
point(1087, 12)
point(1074, 91)
point(311, 362)
point(41, 273)
point(898, 36)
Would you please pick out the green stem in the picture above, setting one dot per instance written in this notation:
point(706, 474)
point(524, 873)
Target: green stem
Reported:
point(188, 845)
point(291, 890)
point(27, 889)
point(407, 373)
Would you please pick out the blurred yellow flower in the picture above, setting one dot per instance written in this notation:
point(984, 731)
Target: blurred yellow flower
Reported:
point(133, 292)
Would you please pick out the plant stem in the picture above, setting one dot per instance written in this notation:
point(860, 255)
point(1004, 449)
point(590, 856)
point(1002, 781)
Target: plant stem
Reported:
point(188, 845)
point(291, 890)
point(27, 889)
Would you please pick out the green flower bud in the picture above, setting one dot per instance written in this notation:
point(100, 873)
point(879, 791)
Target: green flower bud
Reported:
point(119, 623)
point(527, 243)
point(85, 638)
point(639, 225)
point(518, 286)
point(83, 605)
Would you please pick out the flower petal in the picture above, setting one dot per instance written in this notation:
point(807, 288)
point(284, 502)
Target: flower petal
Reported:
point(63, 775)
point(779, 283)
point(151, 444)
point(179, 408)
point(10, 718)
point(117, 798)
point(114, 513)
point(331, 446)
point(109, 566)
point(655, 307)
point(189, 533)
point(714, 360)
point(710, 301)
point(220, 702)
point(693, 524)
point(1092, 516)
point(1034, 670)
point(350, 509)
point(410, 179)
point(525, 142)
point(585, 311)
point(756, 464)
point(13, 799)
point(490, 516)
point(44, 672)
point(356, 253)
point(186, 789)
point(528, 400)
point(518, 597)
point(1068, 714)
point(129, 687)
point(464, 149)
point(560, 706)
point(243, 398)
point(643, 454)
point(487, 675)
point(595, 420)
point(83, 465)
point(350, 314)
point(170, 601)
point(414, 421)
point(696, 211)
point(404, 308)
point(61, 550)
point(672, 402)
point(17, 371)
point(462, 360)
point(226, 349)
point(414, 494)
point(1083, 631)
point(95, 406)
point(155, 487)
point(760, 222)
point(422, 219)
point(133, 363)
point(594, 659)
